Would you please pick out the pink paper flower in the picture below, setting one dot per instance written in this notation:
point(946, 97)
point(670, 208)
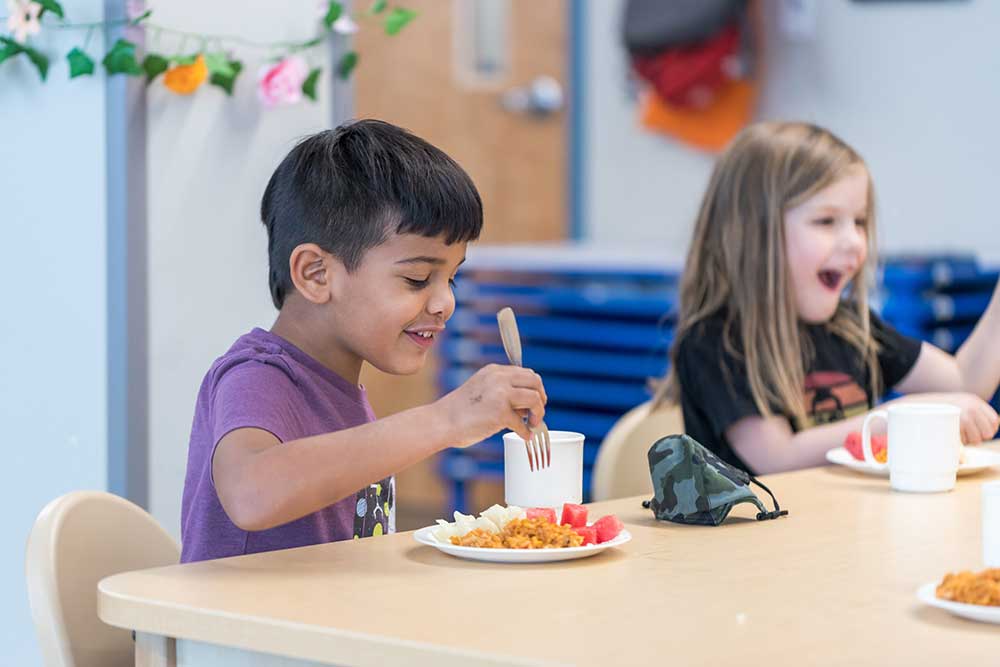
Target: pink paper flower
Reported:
point(281, 83)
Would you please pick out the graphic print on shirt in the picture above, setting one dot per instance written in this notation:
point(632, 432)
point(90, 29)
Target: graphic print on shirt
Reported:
point(832, 396)
point(374, 509)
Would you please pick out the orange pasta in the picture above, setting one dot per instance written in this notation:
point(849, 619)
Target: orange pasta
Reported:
point(522, 534)
point(972, 588)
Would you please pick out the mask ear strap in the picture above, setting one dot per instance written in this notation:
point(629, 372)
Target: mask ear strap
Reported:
point(764, 516)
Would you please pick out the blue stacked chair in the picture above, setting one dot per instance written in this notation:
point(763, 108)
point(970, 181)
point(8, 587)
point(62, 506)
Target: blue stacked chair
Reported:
point(938, 298)
point(596, 328)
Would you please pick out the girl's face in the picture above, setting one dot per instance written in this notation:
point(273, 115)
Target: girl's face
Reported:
point(826, 244)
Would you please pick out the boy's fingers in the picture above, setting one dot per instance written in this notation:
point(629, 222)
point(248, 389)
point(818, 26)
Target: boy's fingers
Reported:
point(525, 377)
point(527, 399)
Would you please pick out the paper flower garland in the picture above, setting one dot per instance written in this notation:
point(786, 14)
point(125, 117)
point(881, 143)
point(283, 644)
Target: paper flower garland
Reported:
point(286, 79)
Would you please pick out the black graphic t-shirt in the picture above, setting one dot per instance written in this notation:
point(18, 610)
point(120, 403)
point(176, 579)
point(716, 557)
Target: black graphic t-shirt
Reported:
point(715, 391)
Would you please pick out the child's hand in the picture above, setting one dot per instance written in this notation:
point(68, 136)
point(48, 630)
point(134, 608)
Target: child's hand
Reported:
point(979, 419)
point(495, 398)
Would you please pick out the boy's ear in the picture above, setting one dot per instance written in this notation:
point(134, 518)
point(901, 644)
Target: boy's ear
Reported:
point(314, 272)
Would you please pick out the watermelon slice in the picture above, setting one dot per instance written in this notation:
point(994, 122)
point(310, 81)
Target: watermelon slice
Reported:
point(608, 528)
point(546, 513)
point(574, 515)
point(588, 533)
point(879, 446)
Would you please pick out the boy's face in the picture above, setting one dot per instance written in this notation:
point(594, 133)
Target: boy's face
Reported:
point(394, 306)
point(826, 244)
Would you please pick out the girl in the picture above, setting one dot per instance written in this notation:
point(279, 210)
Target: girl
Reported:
point(777, 357)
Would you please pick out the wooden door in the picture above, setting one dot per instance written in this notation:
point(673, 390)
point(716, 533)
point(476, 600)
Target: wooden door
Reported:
point(517, 160)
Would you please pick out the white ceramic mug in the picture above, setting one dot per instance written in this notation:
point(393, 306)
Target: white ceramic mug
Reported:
point(924, 443)
point(561, 482)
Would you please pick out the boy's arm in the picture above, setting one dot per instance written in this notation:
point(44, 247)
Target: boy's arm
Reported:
point(975, 367)
point(263, 483)
point(769, 445)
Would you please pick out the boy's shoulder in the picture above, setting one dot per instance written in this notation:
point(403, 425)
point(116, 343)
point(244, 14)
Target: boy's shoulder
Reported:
point(254, 353)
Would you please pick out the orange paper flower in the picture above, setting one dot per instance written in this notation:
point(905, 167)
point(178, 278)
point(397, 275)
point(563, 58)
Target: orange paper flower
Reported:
point(185, 79)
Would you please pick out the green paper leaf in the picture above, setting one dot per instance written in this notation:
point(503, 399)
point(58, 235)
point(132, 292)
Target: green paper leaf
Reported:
point(184, 60)
point(121, 59)
point(10, 48)
point(227, 82)
point(154, 65)
point(378, 6)
point(333, 12)
point(80, 64)
point(142, 17)
point(218, 63)
point(397, 20)
point(309, 85)
point(50, 6)
point(39, 60)
point(347, 63)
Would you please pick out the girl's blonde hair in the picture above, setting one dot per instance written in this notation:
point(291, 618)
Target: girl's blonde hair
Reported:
point(736, 264)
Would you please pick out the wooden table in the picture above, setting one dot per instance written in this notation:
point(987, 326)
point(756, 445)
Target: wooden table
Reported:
point(832, 583)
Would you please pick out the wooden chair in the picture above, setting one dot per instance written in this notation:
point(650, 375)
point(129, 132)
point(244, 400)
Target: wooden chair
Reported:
point(77, 540)
point(622, 469)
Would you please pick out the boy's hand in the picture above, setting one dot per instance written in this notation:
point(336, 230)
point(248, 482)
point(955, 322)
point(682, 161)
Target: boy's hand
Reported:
point(493, 399)
point(979, 419)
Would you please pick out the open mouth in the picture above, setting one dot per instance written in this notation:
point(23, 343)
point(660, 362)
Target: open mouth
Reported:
point(421, 338)
point(830, 279)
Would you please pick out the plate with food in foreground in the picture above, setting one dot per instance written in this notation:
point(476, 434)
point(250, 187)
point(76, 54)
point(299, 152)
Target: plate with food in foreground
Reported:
point(973, 459)
point(975, 596)
point(515, 535)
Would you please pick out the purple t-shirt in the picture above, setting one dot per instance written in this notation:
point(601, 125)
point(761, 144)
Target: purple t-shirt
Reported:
point(265, 382)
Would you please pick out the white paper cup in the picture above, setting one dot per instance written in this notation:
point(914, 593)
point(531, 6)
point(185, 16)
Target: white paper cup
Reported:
point(561, 482)
point(991, 524)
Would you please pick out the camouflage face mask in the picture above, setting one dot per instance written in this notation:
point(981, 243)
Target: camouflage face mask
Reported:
point(692, 485)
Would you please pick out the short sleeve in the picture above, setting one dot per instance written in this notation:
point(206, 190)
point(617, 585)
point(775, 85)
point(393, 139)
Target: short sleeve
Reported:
point(898, 353)
point(714, 381)
point(253, 394)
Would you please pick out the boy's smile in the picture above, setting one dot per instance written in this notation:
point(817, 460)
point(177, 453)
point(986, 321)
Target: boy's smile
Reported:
point(826, 244)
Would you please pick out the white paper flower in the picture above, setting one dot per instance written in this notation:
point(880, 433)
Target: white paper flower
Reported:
point(345, 25)
point(22, 18)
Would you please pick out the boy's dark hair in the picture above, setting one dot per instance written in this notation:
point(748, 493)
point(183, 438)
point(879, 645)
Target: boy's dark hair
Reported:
point(348, 189)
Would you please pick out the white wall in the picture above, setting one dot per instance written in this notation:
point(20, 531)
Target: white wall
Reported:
point(911, 85)
point(209, 160)
point(53, 370)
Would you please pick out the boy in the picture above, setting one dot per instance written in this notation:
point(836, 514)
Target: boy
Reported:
point(367, 226)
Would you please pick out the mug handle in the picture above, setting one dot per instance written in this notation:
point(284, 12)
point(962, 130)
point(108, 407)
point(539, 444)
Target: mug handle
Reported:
point(866, 434)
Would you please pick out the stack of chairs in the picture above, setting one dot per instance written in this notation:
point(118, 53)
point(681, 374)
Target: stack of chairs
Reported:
point(595, 324)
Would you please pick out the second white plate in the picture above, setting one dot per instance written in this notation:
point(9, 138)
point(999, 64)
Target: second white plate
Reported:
point(976, 460)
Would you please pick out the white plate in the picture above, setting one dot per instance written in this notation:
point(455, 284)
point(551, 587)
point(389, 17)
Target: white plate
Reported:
point(976, 612)
point(424, 536)
point(976, 460)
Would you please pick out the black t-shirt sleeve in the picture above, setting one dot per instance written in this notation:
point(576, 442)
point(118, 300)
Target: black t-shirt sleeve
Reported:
point(713, 382)
point(898, 353)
